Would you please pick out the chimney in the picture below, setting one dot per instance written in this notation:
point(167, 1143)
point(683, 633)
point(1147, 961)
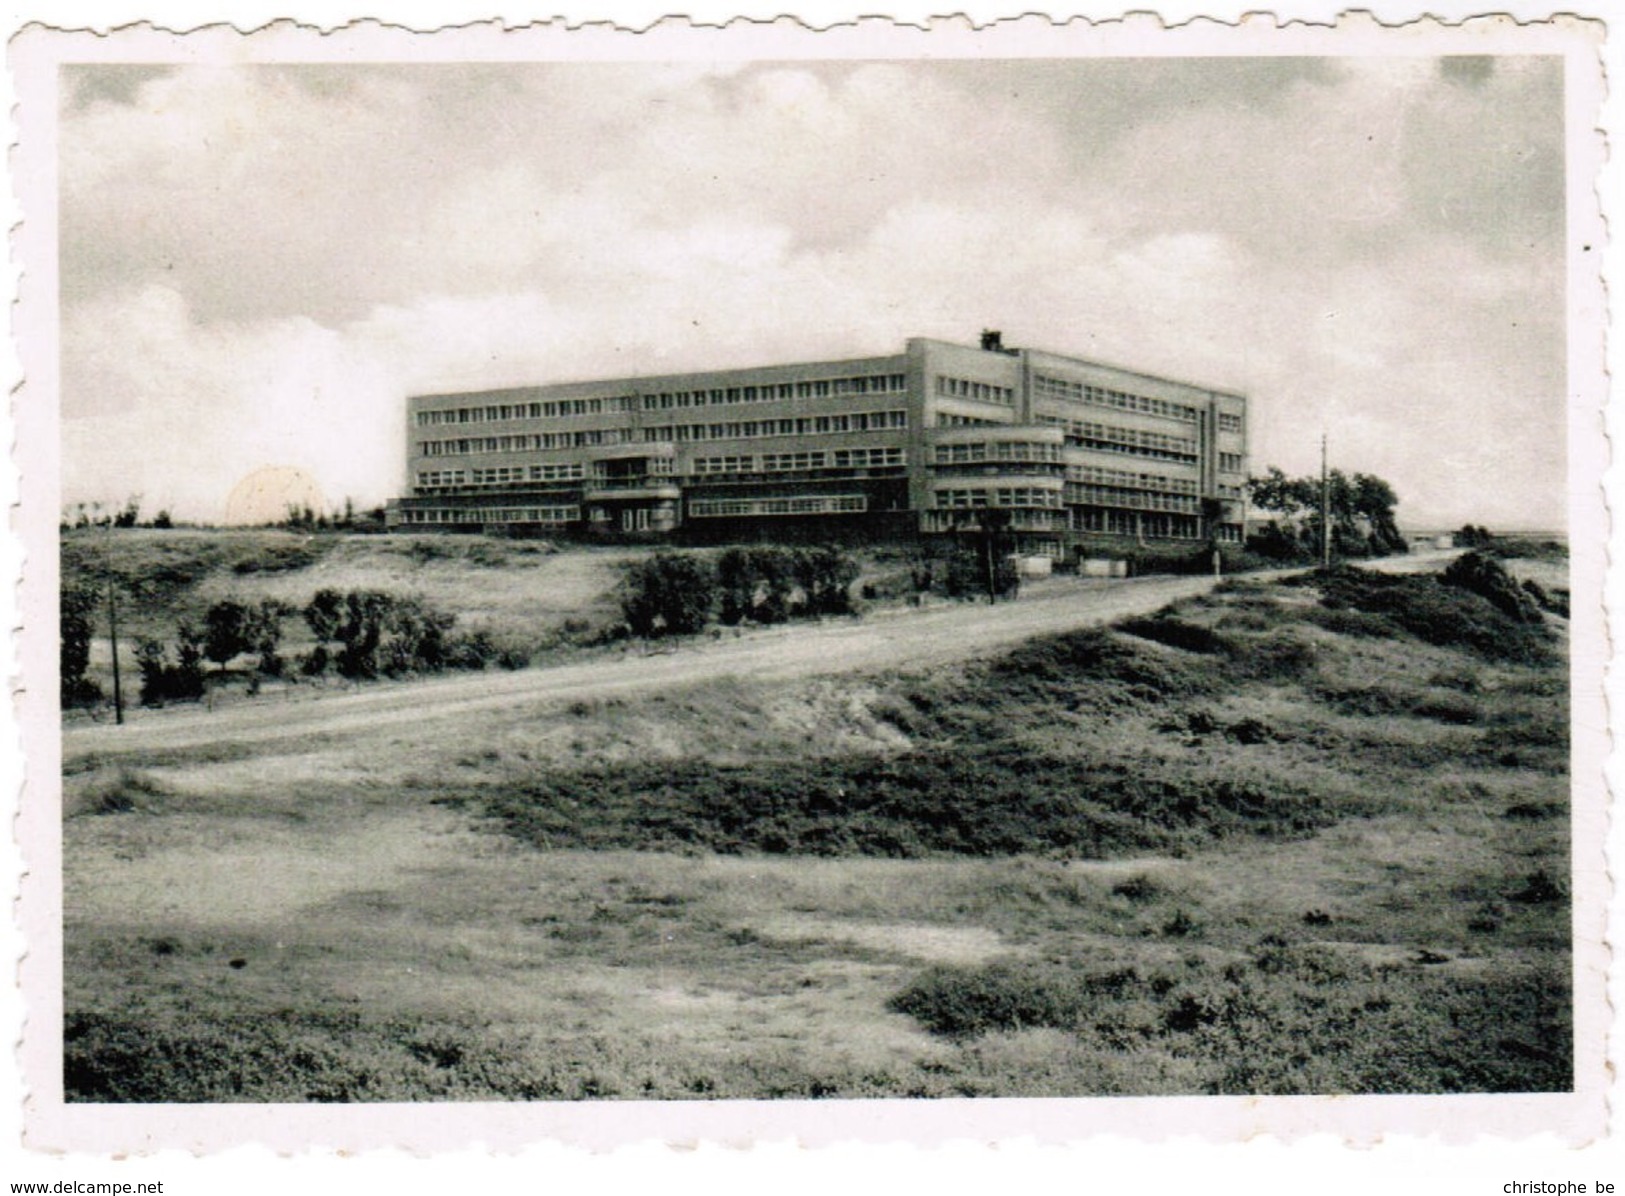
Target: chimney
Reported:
point(992, 340)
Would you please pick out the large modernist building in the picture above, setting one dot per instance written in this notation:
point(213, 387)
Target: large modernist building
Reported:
point(1085, 458)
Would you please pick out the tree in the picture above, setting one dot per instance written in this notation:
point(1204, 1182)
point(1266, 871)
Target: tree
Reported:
point(228, 631)
point(323, 614)
point(979, 559)
point(76, 608)
point(164, 682)
point(361, 630)
point(1374, 501)
point(1361, 508)
point(265, 635)
point(131, 514)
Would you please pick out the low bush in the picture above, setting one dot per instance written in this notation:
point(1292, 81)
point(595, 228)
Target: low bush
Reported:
point(1481, 574)
point(669, 593)
point(1296, 1019)
point(1554, 602)
point(995, 800)
point(1454, 615)
point(163, 681)
point(1165, 628)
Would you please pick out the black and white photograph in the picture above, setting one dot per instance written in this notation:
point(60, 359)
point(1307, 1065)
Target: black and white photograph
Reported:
point(890, 578)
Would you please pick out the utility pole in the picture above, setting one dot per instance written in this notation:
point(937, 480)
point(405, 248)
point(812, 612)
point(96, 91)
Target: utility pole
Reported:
point(1325, 509)
point(112, 632)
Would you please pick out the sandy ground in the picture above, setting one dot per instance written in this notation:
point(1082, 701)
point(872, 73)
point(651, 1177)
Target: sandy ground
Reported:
point(896, 639)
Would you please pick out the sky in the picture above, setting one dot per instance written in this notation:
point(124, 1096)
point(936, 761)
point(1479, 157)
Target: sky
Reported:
point(259, 263)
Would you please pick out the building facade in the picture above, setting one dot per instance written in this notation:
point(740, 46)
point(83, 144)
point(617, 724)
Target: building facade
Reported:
point(1083, 458)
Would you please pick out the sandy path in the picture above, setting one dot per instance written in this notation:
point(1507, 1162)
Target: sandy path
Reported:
point(894, 639)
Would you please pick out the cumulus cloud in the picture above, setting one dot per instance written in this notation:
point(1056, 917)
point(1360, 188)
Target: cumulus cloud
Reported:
point(260, 263)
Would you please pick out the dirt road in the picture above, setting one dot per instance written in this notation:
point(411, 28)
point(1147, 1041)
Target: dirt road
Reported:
point(893, 639)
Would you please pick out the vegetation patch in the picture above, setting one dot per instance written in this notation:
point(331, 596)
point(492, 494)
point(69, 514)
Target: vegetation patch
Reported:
point(999, 800)
point(1290, 1019)
point(1447, 615)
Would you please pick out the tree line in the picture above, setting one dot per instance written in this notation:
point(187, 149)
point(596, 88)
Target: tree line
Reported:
point(680, 593)
point(359, 635)
point(1361, 507)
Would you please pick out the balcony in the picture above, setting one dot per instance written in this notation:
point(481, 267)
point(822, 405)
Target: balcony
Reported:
point(633, 487)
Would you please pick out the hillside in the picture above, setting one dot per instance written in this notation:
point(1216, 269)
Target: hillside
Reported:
point(1278, 838)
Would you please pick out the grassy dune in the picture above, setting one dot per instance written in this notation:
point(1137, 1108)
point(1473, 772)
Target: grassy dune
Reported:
point(1254, 843)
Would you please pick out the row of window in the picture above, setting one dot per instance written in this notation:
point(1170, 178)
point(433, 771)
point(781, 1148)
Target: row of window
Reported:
point(1111, 439)
point(1138, 500)
point(1000, 496)
point(998, 450)
point(945, 420)
point(534, 442)
point(1230, 462)
point(441, 477)
point(819, 388)
point(430, 478)
point(1101, 396)
point(1130, 479)
point(552, 409)
point(553, 516)
point(1230, 492)
point(1020, 520)
point(1229, 422)
point(807, 425)
point(768, 392)
point(860, 458)
point(500, 475)
point(1135, 523)
point(985, 392)
point(813, 504)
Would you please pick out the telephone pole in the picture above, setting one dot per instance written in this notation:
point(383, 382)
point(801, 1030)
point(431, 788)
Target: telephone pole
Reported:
point(1325, 509)
point(112, 632)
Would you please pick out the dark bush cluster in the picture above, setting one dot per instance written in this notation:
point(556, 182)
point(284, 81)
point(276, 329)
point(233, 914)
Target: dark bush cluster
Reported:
point(1166, 628)
point(1448, 615)
point(1481, 574)
point(172, 678)
point(674, 593)
point(232, 628)
point(996, 800)
point(770, 584)
point(369, 633)
point(1293, 1019)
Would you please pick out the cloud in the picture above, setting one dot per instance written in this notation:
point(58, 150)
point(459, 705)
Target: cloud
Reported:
point(259, 263)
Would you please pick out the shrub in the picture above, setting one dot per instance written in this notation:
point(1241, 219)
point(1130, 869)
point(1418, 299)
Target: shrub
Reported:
point(1138, 888)
point(1540, 887)
point(1164, 628)
point(323, 614)
point(755, 584)
point(825, 576)
point(162, 681)
point(1482, 574)
point(1552, 601)
point(265, 635)
point(1437, 613)
point(959, 1002)
point(668, 594)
